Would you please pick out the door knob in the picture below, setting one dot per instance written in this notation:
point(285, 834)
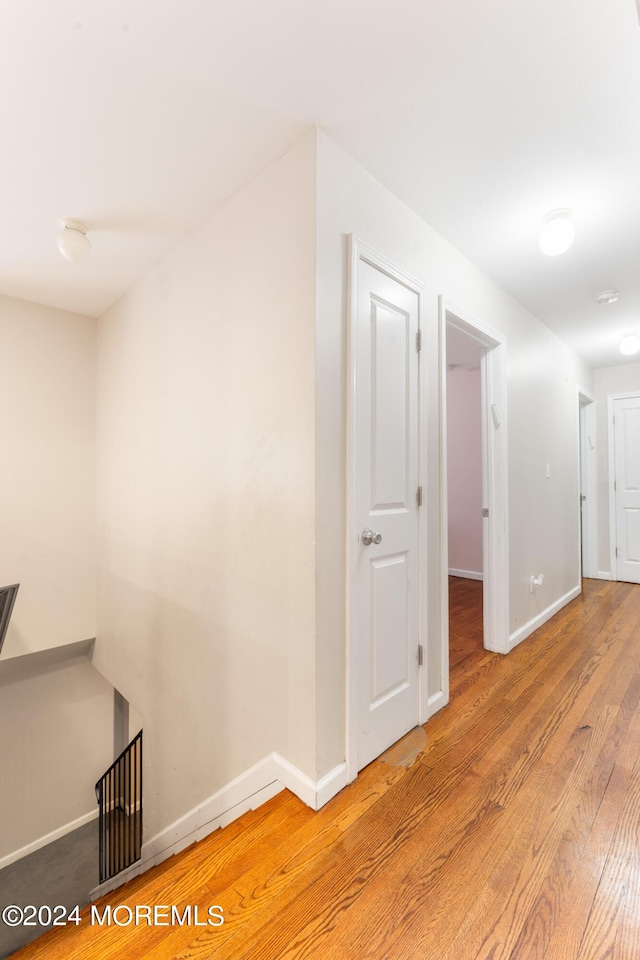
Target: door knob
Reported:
point(369, 537)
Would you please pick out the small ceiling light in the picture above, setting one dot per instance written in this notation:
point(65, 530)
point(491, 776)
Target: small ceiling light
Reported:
point(557, 234)
point(630, 344)
point(72, 241)
point(607, 296)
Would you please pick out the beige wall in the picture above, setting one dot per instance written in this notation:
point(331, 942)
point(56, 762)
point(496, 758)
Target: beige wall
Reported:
point(542, 419)
point(608, 381)
point(56, 740)
point(206, 494)
point(47, 474)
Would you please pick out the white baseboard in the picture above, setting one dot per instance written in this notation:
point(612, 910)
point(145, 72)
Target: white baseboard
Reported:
point(466, 574)
point(48, 838)
point(247, 792)
point(315, 795)
point(330, 785)
point(603, 575)
point(525, 631)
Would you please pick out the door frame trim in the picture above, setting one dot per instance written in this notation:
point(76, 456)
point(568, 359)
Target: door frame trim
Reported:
point(358, 250)
point(587, 562)
point(495, 482)
point(613, 523)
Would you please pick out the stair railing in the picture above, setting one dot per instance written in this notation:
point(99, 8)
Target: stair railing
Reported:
point(119, 797)
point(7, 600)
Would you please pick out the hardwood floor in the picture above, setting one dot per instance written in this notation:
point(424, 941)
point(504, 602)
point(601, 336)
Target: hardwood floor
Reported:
point(465, 625)
point(513, 834)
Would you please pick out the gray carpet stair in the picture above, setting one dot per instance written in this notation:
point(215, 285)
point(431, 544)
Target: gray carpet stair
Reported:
point(61, 873)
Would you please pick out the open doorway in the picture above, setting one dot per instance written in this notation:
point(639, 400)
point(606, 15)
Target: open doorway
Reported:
point(623, 413)
point(467, 344)
point(464, 497)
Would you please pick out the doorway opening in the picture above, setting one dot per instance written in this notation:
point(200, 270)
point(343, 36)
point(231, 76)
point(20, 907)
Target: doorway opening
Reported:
point(624, 486)
point(473, 358)
point(464, 498)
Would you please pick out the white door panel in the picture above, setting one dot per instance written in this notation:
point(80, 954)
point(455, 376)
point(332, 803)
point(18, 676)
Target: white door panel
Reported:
point(390, 414)
point(630, 535)
point(385, 483)
point(390, 670)
point(627, 487)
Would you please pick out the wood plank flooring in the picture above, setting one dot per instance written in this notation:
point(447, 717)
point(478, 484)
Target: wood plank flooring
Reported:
point(514, 834)
point(465, 625)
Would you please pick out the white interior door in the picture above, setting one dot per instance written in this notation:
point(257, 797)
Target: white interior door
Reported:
point(626, 438)
point(384, 522)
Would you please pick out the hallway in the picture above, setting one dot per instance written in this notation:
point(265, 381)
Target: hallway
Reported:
point(512, 835)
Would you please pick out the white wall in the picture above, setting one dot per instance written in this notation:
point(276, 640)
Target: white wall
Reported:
point(542, 419)
point(56, 740)
point(608, 381)
point(47, 474)
point(206, 495)
point(464, 470)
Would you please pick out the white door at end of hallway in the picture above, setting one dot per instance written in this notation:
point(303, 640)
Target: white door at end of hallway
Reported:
point(626, 438)
point(385, 512)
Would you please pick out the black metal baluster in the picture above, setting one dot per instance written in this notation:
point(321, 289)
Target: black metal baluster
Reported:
point(119, 796)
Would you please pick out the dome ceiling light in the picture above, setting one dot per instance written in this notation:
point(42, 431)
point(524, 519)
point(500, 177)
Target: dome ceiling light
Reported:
point(607, 296)
point(557, 233)
point(630, 344)
point(72, 241)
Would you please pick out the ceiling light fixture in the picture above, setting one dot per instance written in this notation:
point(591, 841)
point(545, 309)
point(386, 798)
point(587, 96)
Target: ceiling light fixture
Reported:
point(72, 241)
point(558, 232)
point(607, 296)
point(630, 344)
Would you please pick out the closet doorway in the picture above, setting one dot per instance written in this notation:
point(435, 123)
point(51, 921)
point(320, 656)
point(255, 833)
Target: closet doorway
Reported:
point(465, 524)
point(473, 379)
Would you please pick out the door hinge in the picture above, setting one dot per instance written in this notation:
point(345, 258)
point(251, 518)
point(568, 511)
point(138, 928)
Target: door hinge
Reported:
point(419, 340)
point(615, 485)
point(420, 655)
point(419, 496)
point(485, 511)
point(616, 551)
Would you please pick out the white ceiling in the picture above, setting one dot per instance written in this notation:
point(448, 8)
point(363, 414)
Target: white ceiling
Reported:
point(141, 116)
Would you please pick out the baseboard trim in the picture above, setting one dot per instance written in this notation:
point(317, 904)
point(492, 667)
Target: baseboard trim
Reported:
point(525, 631)
point(603, 575)
point(48, 838)
point(466, 574)
point(315, 795)
point(250, 790)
